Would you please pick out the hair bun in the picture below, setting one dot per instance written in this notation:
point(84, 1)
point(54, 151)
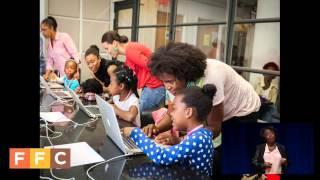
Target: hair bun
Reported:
point(209, 90)
point(95, 47)
point(123, 39)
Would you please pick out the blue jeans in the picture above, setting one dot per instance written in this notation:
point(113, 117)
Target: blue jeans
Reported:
point(152, 98)
point(266, 113)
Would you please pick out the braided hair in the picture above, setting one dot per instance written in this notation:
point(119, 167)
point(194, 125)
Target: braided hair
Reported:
point(126, 76)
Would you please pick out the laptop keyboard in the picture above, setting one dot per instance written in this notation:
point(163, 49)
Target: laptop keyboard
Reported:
point(129, 143)
point(61, 94)
point(93, 110)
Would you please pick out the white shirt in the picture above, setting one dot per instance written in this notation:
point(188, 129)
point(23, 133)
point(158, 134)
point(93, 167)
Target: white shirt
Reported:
point(273, 157)
point(125, 105)
point(238, 96)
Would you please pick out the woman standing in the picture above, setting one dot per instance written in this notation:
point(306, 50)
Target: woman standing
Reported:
point(137, 58)
point(60, 47)
point(270, 157)
point(100, 68)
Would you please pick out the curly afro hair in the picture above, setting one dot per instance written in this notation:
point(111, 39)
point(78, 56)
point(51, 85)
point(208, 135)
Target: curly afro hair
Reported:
point(182, 60)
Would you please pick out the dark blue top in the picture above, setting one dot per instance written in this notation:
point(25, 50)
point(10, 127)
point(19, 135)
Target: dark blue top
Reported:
point(196, 150)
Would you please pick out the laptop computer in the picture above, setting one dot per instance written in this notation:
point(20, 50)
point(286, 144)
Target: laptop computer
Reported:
point(90, 110)
point(57, 94)
point(55, 85)
point(110, 122)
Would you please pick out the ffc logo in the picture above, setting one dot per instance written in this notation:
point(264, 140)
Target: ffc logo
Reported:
point(39, 158)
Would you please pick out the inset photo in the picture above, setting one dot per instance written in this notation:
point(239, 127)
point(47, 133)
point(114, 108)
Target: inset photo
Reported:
point(258, 151)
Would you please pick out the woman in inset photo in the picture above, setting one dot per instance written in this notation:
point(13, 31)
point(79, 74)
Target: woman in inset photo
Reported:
point(270, 157)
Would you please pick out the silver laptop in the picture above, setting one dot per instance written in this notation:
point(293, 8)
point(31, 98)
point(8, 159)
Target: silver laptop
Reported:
point(57, 94)
point(111, 126)
point(55, 85)
point(90, 110)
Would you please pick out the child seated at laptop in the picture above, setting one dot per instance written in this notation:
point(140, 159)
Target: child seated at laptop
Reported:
point(191, 107)
point(123, 88)
point(69, 79)
point(89, 88)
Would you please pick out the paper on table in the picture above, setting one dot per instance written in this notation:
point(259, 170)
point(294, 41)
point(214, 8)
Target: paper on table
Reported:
point(54, 117)
point(81, 153)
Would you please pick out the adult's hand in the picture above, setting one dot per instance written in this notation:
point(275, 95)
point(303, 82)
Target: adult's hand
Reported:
point(267, 164)
point(283, 161)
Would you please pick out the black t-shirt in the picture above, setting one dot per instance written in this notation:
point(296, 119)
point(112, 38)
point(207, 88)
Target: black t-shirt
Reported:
point(102, 74)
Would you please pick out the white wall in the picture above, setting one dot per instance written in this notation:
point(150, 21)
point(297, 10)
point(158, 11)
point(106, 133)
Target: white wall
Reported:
point(43, 14)
point(43, 9)
point(266, 42)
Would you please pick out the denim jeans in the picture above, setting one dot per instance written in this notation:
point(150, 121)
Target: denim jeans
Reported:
point(152, 98)
point(268, 112)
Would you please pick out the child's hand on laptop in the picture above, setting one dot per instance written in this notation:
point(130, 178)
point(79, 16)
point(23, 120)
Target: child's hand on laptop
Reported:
point(78, 90)
point(53, 77)
point(127, 131)
point(46, 77)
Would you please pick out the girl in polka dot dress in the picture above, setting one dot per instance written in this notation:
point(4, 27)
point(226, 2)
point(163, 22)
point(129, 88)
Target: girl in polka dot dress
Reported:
point(191, 107)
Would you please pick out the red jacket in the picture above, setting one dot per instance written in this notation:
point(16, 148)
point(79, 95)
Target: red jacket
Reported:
point(137, 57)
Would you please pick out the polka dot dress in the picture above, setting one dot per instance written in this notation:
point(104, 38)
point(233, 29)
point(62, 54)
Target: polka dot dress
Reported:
point(154, 171)
point(196, 150)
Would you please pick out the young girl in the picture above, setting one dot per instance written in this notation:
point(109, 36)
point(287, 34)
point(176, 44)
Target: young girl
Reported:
point(89, 88)
point(191, 107)
point(69, 79)
point(60, 47)
point(123, 88)
point(137, 57)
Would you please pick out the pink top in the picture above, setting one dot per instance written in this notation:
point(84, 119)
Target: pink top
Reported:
point(63, 49)
point(273, 157)
point(189, 132)
point(194, 129)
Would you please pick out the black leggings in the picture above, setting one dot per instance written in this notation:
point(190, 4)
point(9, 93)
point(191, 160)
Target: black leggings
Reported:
point(250, 118)
point(217, 163)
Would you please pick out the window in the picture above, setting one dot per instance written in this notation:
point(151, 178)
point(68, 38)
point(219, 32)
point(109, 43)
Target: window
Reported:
point(255, 44)
point(257, 9)
point(243, 33)
point(207, 10)
point(210, 39)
